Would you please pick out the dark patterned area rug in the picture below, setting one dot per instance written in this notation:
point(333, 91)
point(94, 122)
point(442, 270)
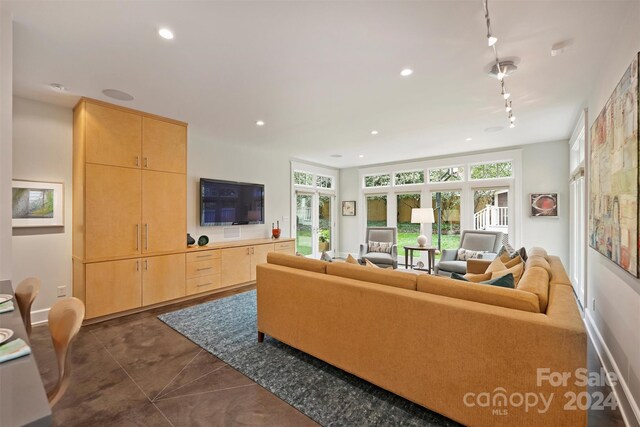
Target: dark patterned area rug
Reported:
point(227, 329)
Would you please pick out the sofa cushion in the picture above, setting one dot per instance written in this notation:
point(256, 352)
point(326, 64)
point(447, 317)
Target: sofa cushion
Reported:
point(299, 262)
point(393, 278)
point(537, 251)
point(379, 257)
point(538, 261)
point(451, 266)
point(503, 281)
point(558, 274)
point(491, 295)
point(513, 261)
point(536, 281)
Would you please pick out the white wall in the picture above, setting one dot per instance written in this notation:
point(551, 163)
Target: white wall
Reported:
point(42, 151)
point(6, 90)
point(545, 169)
point(349, 226)
point(616, 316)
point(224, 160)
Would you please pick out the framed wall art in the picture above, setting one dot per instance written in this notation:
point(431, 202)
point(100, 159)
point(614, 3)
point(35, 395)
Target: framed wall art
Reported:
point(37, 204)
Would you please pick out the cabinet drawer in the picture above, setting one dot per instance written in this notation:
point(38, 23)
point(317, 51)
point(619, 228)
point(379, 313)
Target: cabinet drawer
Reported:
point(203, 268)
point(203, 284)
point(203, 256)
point(284, 246)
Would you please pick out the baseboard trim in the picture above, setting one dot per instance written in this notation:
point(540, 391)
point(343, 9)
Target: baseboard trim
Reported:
point(40, 317)
point(628, 406)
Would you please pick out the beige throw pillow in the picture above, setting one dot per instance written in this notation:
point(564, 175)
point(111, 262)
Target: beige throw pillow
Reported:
point(368, 263)
point(496, 265)
point(351, 260)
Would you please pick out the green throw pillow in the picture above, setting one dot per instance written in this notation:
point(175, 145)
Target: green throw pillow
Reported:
point(505, 281)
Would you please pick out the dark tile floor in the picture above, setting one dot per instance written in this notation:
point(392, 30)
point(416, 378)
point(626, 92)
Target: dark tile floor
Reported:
point(136, 371)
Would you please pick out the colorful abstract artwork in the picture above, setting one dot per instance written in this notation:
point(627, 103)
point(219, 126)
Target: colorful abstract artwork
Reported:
point(613, 194)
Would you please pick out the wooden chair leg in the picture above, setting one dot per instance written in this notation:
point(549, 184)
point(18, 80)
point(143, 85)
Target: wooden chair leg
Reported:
point(260, 336)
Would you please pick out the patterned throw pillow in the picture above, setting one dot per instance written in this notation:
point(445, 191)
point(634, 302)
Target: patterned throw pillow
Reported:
point(464, 254)
point(383, 247)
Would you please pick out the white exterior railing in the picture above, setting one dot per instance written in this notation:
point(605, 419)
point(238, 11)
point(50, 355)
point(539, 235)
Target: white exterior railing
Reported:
point(491, 217)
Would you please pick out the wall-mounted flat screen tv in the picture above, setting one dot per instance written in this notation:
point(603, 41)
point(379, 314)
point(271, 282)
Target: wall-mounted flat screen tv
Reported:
point(230, 203)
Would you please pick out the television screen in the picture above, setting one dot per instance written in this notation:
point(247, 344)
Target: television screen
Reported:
point(230, 203)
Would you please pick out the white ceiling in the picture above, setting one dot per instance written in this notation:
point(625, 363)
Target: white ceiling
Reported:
point(323, 74)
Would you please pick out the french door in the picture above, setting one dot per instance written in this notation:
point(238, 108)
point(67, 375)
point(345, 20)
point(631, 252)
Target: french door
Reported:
point(315, 223)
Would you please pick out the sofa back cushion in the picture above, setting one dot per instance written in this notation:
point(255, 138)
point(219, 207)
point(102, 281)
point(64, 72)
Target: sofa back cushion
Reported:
point(298, 262)
point(485, 294)
point(558, 273)
point(538, 261)
point(536, 280)
point(381, 276)
point(474, 241)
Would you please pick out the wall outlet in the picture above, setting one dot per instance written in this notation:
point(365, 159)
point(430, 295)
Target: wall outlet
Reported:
point(62, 291)
point(593, 304)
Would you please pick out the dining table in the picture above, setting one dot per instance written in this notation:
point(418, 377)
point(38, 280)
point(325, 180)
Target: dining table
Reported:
point(23, 399)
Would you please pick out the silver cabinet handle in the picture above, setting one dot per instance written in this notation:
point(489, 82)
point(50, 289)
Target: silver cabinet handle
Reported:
point(204, 284)
point(203, 269)
point(137, 265)
point(146, 163)
point(146, 236)
point(137, 160)
point(137, 237)
point(204, 256)
point(146, 264)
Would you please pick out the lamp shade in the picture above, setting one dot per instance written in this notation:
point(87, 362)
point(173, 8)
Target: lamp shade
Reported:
point(422, 216)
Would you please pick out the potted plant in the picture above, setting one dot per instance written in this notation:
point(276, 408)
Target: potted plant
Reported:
point(323, 241)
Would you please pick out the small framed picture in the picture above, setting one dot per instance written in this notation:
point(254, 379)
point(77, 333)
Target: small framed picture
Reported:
point(37, 204)
point(349, 208)
point(544, 204)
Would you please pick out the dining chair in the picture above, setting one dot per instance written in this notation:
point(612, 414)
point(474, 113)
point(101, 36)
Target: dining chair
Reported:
point(65, 320)
point(26, 292)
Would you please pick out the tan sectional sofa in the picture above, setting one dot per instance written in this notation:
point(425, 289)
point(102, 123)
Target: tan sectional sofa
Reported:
point(457, 348)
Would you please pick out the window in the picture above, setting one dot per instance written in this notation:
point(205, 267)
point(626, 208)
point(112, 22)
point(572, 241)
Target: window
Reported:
point(446, 174)
point(408, 232)
point(324, 181)
point(303, 178)
point(446, 229)
point(383, 180)
point(406, 178)
point(492, 170)
point(377, 211)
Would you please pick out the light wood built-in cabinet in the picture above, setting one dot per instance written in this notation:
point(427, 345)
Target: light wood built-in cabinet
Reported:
point(129, 216)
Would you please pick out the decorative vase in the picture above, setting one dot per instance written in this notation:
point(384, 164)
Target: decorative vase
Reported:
point(203, 240)
point(275, 233)
point(190, 240)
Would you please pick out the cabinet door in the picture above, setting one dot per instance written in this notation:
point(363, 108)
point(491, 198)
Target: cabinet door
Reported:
point(259, 256)
point(235, 266)
point(113, 137)
point(164, 146)
point(163, 278)
point(113, 286)
point(112, 211)
point(164, 211)
point(285, 247)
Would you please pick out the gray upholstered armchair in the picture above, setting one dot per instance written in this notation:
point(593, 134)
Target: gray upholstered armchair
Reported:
point(381, 259)
point(473, 240)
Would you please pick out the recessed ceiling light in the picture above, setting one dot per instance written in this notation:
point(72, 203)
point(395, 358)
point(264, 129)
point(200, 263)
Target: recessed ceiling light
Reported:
point(468, 139)
point(491, 40)
point(259, 123)
point(118, 94)
point(165, 33)
point(374, 132)
point(337, 156)
point(58, 87)
point(361, 155)
point(406, 72)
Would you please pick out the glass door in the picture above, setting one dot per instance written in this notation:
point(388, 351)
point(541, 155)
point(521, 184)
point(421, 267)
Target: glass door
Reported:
point(407, 231)
point(491, 210)
point(325, 224)
point(315, 223)
point(304, 223)
point(446, 229)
